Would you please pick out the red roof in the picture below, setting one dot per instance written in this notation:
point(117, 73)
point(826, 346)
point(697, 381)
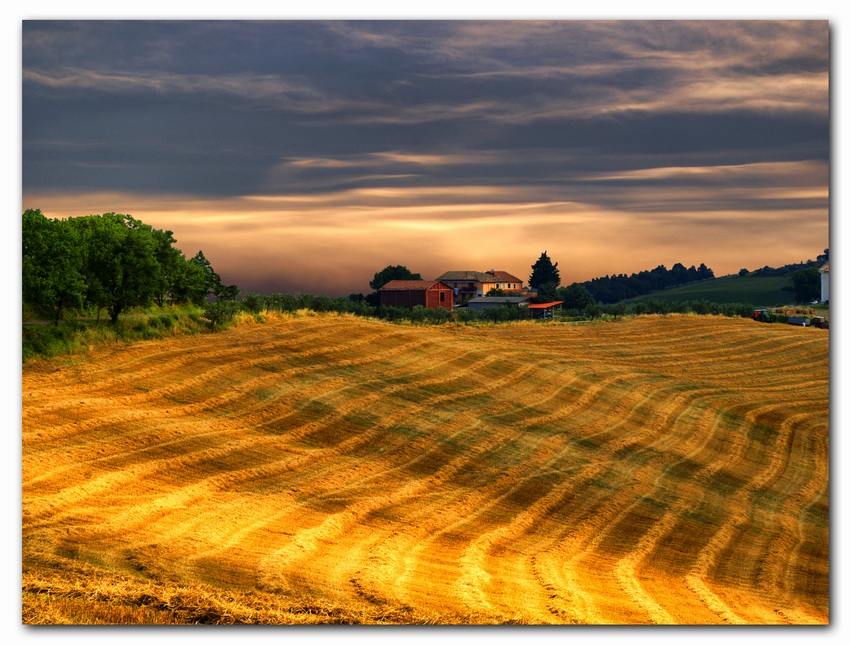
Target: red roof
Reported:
point(409, 285)
point(545, 305)
point(504, 276)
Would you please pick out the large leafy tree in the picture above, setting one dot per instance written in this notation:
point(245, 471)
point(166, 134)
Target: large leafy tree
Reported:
point(547, 292)
point(110, 261)
point(121, 264)
point(170, 261)
point(544, 272)
point(190, 283)
point(397, 272)
point(806, 284)
point(51, 264)
point(576, 296)
point(212, 280)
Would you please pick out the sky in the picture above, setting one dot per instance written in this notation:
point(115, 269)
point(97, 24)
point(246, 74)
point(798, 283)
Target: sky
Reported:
point(303, 156)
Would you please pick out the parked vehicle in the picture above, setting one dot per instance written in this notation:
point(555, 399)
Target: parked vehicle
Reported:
point(820, 322)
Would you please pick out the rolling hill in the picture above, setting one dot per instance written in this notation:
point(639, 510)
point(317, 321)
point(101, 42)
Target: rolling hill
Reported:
point(755, 290)
point(337, 469)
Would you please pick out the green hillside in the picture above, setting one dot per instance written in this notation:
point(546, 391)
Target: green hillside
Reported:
point(758, 291)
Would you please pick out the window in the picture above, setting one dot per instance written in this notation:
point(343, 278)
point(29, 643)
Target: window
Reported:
point(442, 296)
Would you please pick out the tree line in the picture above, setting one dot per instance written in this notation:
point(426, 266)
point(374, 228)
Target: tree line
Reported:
point(610, 289)
point(257, 304)
point(545, 279)
point(109, 262)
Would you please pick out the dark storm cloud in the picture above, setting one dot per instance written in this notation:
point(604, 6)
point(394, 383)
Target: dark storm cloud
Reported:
point(391, 129)
point(222, 101)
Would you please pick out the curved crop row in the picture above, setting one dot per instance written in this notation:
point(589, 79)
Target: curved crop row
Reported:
point(656, 470)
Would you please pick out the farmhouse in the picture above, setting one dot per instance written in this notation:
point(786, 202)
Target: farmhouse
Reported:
point(506, 282)
point(824, 283)
point(479, 304)
point(471, 284)
point(409, 293)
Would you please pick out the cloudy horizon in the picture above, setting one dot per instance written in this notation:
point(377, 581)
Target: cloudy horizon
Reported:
point(304, 156)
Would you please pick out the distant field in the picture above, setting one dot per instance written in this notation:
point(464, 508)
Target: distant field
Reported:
point(760, 292)
point(336, 469)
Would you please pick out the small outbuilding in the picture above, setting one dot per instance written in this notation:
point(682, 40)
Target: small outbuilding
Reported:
point(432, 294)
point(545, 309)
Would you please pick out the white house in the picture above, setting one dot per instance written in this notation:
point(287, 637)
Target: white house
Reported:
point(824, 283)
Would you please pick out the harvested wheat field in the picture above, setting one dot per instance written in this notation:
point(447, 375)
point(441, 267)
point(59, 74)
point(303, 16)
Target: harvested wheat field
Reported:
point(323, 469)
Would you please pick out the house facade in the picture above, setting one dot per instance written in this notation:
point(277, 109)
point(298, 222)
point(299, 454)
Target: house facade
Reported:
point(507, 282)
point(475, 284)
point(432, 294)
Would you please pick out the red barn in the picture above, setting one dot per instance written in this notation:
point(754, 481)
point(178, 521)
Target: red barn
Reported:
point(409, 293)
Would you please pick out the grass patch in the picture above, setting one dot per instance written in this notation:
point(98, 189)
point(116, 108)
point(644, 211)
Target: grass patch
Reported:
point(267, 394)
point(79, 336)
point(724, 483)
point(762, 433)
point(361, 420)
point(684, 469)
point(406, 431)
point(758, 291)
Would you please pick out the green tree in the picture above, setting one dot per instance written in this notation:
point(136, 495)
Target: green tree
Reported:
point(806, 284)
point(121, 268)
point(170, 263)
point(576, 296)
point(190, 283)
point(51, 264)
point(547, 292)
point(228, 292)
point(220, 312)
point(544, 272)
point(212, 280)
point(704, 273)
point(397, 272)
point(254, 303)
point(495, 292)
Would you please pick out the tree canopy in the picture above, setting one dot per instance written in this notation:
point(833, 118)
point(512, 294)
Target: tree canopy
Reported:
point(576, 296)
point(111, 261)
point(397, 272)
point(806, 285)
point(611, 289)
point(544, 272)
point(52, 264)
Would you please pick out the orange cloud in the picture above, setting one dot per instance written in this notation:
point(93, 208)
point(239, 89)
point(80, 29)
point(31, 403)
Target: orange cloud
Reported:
point(315, 244)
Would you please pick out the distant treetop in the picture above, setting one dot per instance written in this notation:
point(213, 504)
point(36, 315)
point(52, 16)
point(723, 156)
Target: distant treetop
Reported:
point(544, 272)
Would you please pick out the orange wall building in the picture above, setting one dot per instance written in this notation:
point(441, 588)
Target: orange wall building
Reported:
point(433, 294)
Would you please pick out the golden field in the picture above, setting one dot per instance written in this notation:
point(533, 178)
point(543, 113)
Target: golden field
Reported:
point(335, 469)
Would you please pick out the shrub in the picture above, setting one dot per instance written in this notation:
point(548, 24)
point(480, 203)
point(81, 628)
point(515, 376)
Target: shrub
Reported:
point(220, 312)
point(253, 303)
point(465, 315)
